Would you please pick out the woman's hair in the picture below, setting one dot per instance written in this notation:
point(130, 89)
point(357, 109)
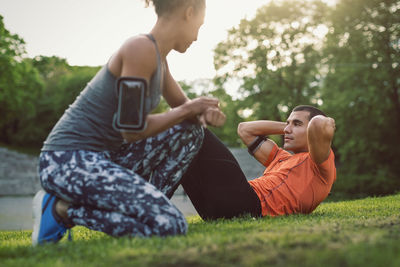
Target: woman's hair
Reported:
point(166, 6)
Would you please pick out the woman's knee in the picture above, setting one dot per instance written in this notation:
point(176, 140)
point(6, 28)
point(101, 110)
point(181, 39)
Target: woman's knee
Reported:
point(169, 225)
point(48, 162)
point(191, 132)
point(180, 225)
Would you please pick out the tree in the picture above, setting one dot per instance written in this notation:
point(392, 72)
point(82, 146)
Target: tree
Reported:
point(34, 92)
point(228, 133)
point(275, 57)
point(361, 90)
point(19, 86)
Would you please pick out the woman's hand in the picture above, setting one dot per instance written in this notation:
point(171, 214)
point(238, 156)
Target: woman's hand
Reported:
point(206, 110)
point(214, 117)
point(199, 105)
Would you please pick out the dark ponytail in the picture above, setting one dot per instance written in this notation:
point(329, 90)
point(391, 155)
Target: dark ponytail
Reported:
point(167, 6)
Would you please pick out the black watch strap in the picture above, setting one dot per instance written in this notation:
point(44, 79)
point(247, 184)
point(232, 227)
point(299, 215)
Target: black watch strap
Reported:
point(255, 145)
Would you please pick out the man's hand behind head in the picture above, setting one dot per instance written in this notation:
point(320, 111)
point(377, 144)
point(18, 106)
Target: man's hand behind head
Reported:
point(320, 133)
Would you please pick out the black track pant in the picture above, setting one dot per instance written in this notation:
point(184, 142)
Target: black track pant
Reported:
point(216, 185)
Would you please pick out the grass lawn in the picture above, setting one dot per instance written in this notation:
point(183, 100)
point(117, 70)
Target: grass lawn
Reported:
point(362, 232)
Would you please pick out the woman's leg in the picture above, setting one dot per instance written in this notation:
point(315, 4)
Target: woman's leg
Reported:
point(216, 185)
point(163, 159)
point(107, 197)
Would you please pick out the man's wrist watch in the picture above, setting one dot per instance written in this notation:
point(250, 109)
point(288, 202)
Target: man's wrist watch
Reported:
point(256, 144)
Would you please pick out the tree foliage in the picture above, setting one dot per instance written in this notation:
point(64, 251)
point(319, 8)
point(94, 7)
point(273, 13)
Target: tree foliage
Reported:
point(344, 59)
point(361, 90)
point(33, 92)
point(19, 86)
point(275, 56)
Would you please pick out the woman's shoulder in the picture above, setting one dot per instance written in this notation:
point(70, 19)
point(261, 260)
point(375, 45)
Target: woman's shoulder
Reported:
point(139, 45)
point(136, 56)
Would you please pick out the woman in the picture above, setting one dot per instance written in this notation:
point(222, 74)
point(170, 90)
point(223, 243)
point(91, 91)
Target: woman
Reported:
point(119, 182)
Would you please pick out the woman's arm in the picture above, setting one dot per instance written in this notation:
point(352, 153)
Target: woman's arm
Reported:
point(157, 123)
point(138, 58)
point(173, 92)
point(248, 132)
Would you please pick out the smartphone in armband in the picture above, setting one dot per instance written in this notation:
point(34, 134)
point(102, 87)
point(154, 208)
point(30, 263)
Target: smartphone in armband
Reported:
point(131, 112)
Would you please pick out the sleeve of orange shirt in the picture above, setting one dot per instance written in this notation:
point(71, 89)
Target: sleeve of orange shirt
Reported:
point(272, 155)
point(327, 169)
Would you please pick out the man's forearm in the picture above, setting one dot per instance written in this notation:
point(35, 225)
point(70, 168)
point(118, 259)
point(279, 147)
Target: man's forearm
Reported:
point(320, 133)
point(249, 130)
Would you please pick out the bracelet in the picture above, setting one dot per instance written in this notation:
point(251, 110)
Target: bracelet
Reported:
point(256, 144)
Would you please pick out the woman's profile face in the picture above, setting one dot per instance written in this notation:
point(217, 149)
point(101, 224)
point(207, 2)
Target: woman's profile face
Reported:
point(194, 20)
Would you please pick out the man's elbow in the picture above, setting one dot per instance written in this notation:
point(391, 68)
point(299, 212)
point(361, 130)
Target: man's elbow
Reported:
point(317, 122)
point(243, 132)
point(241, 129)
point(323, 126)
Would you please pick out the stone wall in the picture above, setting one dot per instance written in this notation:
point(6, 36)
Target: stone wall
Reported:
point(18, 173)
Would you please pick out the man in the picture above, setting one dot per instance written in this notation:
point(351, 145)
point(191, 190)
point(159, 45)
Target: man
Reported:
point(297, 178)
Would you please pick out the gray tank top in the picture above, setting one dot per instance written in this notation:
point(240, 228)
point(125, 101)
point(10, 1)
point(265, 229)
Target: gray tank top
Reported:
point(87, 124)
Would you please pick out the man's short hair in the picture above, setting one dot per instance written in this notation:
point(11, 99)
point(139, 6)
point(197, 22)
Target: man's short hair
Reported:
point(312, 110)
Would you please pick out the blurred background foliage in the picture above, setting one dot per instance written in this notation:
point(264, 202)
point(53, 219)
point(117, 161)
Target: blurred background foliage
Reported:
point(343, 58)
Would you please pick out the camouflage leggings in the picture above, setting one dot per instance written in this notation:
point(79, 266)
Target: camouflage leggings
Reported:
point(125, 192)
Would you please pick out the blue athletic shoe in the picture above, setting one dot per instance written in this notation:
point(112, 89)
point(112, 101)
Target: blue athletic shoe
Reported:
point(45, 228)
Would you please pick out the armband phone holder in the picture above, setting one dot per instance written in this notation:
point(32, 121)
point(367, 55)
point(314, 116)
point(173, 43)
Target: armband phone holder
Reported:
point(131, 111)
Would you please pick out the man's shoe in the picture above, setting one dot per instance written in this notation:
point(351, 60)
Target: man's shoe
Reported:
point(45, 228)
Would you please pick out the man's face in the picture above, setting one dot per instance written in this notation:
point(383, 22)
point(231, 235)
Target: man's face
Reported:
point(296, 132)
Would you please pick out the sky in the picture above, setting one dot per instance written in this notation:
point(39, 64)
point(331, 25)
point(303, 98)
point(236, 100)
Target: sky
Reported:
point(88, 32)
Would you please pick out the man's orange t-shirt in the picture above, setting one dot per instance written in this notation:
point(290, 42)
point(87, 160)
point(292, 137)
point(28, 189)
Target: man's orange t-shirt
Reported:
point(293, 183)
